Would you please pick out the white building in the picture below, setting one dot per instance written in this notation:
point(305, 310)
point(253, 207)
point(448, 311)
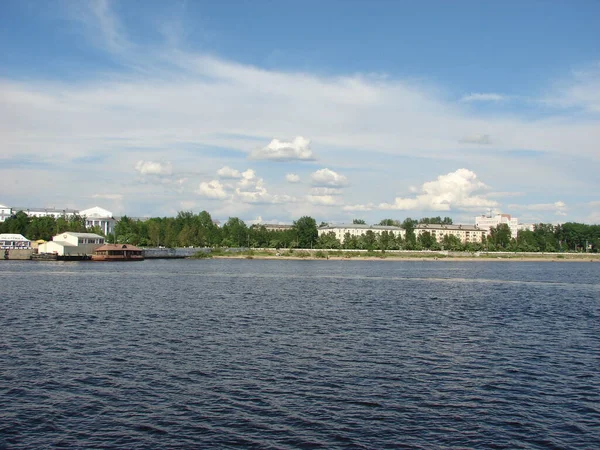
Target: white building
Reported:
point(487, 222)
point(47, 212)
point(99, 217)
point(466, 233)
point(5, 213)
point(14, 241)
point(72, 244)
point(358, 230)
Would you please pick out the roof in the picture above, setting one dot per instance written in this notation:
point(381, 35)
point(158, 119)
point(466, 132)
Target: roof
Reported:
point(81, 235)
point(358, 226)
point(4, 207)
point(118, 247)
point(439, 226)
point(46, 210)
point(12, 237)
point(96, 212)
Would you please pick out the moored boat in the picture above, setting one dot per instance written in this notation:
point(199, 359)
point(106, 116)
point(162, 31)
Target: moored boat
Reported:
point(118, 252)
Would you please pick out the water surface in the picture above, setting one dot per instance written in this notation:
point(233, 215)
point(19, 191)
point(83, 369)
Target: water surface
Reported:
point(300, 354)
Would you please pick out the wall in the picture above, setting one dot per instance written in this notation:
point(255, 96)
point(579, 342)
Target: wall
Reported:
point(17, 254)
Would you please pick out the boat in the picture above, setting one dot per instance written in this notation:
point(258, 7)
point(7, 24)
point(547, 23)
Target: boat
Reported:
point(118, 252)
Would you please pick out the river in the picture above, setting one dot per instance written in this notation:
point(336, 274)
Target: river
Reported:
point(299, 354)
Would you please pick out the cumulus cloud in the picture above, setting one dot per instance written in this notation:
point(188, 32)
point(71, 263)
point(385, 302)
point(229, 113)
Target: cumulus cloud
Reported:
point(480, 139)
point(455, 190)
point(328, 178)
point(325, 191)
point(228, 172)
point(153, 168)
point(292, 178)
point(298, 149)
point(482, 97)
point(323, 200)
point(212, 189)
point(249, 188)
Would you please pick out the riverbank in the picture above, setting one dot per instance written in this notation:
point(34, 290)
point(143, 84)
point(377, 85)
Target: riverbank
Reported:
point(296, 255)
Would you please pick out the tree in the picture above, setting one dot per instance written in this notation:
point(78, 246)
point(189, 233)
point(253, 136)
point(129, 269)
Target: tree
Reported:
point(427, 240)
point(500, 236)
point(359, 222)
point(306, 231)
point(390, 223)
point(235, 232)
point(328, 240)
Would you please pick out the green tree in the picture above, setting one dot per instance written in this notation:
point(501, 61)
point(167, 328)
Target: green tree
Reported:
point(306, 231)
point(500, 236)
point(359, 222)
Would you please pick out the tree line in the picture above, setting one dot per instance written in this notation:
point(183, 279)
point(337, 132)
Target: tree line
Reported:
point(199, 230)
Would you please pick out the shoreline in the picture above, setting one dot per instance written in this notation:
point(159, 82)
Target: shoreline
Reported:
point(414, 258)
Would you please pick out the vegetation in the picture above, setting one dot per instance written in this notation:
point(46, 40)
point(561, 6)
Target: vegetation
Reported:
point(198, 230)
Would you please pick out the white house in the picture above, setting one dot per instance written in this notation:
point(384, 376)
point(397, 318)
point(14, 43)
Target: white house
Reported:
point(14, 241)
point(466, 233)
point(99, 217)
point(72, 244)
point(358, 230)
point(487, 222)
point(5, 213)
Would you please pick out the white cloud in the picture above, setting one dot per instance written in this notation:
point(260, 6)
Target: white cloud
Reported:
point(559, 208)
point(325, 191)
point(482, 97)
point(327, 177)
point(367, 207)
point(581, 90)
point(228, 172)
point(153, 168)
point(212, 189)
point(323, 200)
point(116, 197)
point(480, 139)
point(298, 149)
point(292, 178)
point(455, 190)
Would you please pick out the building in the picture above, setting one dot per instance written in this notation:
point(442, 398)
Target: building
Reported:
point(359, 230)
point(5, 212)
point(489, 221)
point(14, 242)
point(99, 217)
point(276, 227)
point(466, 233)
point(71, 244)
point(47, 212)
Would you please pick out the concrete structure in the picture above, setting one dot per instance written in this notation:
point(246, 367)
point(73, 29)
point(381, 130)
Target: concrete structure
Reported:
point(489, 221)
point(14, 241)
point(466, 233)
point(358, 230)
point(99, 217)
point(71, 244)
point(5, 212)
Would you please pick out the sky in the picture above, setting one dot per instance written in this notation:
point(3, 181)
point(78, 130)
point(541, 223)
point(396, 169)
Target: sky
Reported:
point(272, 110)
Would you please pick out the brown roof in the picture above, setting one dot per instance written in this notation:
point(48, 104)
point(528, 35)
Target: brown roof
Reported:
point(118, 247)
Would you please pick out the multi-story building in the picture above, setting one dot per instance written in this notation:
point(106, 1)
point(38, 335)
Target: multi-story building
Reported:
point(466, 233)
point(276, 227)
point(358, 230)
point(489, 221)
point(5, 212)
point(47, 212)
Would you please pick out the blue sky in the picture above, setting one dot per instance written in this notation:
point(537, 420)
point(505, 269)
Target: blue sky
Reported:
point(272, 110)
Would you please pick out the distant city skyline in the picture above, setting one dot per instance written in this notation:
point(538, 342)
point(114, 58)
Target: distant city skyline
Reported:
point(274, 110)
